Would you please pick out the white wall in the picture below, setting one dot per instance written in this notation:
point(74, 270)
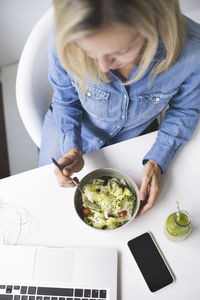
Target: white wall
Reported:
point(17, 18)
point(189, 5)
point(191, 8)
point(22, 152)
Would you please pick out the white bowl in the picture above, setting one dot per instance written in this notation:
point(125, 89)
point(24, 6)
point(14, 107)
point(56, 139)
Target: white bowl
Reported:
point(98, 173)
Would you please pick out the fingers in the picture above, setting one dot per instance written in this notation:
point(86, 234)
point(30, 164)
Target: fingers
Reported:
point(63, 181)
point(71, 166)
point(144, 189)
point(71, 162)
point(153, 191)
point(149, 189)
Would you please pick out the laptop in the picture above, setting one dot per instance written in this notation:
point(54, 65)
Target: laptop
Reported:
point(43, 273)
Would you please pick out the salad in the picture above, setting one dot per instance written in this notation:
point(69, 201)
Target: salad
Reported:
point(115, 201)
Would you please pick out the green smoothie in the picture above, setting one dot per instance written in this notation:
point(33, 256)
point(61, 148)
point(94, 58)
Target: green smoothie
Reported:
point(178, 226)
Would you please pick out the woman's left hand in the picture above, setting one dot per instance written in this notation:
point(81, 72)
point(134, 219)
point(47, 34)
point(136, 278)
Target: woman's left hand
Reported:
point(150, 186)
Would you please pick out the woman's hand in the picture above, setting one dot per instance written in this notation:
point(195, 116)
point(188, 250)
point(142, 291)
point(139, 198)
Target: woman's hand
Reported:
point(72, 161)
point(149, 189)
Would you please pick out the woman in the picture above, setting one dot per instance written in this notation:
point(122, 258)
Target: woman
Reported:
point(116, 66)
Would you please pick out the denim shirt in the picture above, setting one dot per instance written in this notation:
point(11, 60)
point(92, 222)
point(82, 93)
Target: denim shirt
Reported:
point(107, 113)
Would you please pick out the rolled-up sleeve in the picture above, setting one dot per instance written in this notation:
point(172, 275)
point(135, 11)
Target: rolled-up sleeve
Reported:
point(179, 123)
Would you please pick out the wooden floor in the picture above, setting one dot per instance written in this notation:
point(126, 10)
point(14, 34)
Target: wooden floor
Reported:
point(4, 165)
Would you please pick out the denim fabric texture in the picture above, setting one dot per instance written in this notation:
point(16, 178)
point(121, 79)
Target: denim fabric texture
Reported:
point(108, 113)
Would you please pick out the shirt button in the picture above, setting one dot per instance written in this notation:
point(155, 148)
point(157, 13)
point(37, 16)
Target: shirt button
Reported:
point(157, 99)
point(89, 94)
point(124, 96)
point(101, 142)
point(123, 117)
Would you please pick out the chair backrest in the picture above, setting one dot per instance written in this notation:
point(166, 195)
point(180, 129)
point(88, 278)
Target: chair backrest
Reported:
point(33, 90)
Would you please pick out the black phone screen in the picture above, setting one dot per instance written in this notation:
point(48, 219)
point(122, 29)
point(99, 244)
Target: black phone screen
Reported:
point(150, 262)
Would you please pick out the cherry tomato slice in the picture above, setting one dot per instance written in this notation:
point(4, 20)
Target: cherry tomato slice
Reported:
point(122, 213)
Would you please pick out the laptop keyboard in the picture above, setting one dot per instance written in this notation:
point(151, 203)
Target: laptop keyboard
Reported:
point(10, 292)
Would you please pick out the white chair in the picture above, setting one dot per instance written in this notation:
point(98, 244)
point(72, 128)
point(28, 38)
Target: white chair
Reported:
point(33, 90)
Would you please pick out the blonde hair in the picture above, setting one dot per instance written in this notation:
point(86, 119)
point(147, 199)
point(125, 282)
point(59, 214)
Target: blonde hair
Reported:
point(153, 19)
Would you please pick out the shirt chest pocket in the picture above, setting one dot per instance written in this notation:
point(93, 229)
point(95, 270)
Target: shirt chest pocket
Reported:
point(153, 103)
point(94, 100)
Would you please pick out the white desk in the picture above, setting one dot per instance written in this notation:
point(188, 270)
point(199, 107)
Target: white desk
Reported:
point(54, 222)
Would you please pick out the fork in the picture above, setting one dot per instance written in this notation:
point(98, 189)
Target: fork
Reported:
point(87, 202)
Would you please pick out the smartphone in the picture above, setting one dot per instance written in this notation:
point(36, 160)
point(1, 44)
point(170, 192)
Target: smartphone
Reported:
point(151, 262)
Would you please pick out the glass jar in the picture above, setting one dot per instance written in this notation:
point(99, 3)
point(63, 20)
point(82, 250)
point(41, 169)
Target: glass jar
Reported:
point(178, 226)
